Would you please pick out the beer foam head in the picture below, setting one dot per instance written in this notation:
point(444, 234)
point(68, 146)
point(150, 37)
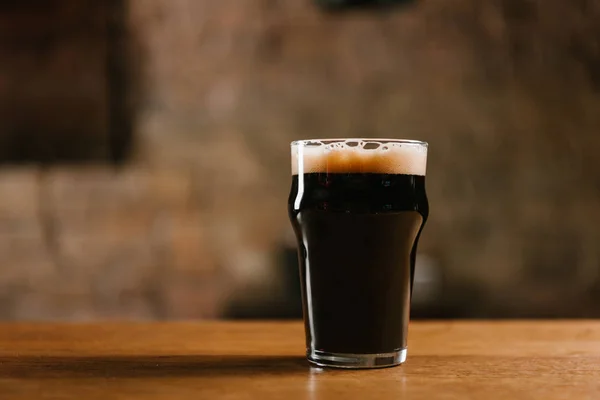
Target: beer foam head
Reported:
point(384, 156)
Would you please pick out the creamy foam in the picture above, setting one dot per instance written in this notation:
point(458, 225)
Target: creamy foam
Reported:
point(359, 155)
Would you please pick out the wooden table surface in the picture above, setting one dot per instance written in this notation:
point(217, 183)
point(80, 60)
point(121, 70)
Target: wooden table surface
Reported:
point(253, 360)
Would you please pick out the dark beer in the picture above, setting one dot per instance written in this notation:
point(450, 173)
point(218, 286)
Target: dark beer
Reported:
point(357, 212)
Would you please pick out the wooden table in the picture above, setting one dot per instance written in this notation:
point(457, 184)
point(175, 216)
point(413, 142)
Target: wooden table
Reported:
point(251, 360)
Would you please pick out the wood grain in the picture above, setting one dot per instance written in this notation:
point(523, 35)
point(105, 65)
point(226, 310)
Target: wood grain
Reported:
point(255, 360)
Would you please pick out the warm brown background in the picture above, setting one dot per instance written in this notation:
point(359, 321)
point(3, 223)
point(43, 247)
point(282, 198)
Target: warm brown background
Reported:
point(507, 92)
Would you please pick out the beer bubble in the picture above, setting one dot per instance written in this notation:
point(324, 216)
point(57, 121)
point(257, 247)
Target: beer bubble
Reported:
point(359, 155)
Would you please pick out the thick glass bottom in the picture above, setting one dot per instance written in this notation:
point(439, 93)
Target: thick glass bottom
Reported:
point(355, 361)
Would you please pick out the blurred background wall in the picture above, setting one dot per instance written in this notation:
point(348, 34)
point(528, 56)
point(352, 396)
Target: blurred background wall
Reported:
point(144, 150)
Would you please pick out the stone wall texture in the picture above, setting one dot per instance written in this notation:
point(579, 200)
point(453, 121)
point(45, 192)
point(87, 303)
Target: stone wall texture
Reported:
point(507, 93)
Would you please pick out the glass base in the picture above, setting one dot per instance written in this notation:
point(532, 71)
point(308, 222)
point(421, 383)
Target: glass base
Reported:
point(356, 361)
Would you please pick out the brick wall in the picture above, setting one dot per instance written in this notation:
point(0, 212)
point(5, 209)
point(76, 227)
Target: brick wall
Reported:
point(506, 92)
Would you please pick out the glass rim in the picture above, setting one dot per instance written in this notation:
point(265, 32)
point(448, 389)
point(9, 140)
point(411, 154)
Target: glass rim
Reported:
point(375, 140)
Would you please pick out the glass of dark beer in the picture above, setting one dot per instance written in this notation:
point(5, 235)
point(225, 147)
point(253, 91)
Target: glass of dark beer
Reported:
point(357, 207)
